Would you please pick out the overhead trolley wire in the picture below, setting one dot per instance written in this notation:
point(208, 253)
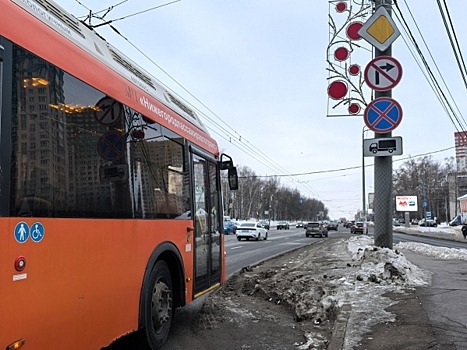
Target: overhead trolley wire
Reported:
point(235, 139)
point(453, 39)
point(459, 122)
point(424, 71)
point(245, 145)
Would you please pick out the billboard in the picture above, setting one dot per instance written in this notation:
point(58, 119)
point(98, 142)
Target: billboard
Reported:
point(406, 203)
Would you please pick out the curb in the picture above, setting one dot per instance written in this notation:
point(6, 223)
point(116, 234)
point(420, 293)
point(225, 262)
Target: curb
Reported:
point(340, 328)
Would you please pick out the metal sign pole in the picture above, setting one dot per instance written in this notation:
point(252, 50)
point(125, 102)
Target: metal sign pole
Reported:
point(383, 234)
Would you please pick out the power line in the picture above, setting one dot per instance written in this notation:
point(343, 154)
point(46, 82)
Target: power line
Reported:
point(453, 39)
point(451, 113)
point(246, 146)
point(356, 166)
point(134, 14)
point(436, 91)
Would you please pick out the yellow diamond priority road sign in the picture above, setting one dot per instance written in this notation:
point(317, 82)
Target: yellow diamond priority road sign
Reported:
point(380, 30)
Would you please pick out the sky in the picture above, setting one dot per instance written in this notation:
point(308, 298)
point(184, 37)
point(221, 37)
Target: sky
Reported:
point(257, 73)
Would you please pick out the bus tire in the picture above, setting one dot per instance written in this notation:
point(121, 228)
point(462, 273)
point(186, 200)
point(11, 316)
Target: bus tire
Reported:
point(160, 305)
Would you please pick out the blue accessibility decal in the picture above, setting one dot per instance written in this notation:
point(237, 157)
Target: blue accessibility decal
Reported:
point(21, 232)
point(37, 232)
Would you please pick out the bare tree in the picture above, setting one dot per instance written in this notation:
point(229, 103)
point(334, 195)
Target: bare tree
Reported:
point(428, 180)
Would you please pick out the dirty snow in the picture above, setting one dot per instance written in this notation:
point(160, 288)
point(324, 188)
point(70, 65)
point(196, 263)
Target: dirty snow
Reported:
point(344, 278)
point(390, 271)
point(393, 273)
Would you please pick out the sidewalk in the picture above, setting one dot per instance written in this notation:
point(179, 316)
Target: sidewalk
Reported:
point(429, 317)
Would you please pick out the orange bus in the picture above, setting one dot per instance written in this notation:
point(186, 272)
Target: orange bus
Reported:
point(110, 205)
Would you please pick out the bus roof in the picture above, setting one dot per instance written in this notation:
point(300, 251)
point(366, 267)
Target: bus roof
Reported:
point(50, 32)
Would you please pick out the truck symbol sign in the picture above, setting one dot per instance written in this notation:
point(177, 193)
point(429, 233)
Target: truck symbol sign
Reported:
point(383, 145)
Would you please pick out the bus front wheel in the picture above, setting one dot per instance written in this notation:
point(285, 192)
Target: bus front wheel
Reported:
point(160, 300)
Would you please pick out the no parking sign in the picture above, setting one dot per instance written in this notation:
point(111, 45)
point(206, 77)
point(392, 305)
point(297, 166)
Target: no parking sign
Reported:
point(383, 115)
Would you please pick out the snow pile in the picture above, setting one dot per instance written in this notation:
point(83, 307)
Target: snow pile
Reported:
point(384, 265)
point(441, 231)
point(374, 272)
point(438, 252)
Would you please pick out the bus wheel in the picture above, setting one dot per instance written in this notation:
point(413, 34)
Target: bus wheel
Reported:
point(161, 305)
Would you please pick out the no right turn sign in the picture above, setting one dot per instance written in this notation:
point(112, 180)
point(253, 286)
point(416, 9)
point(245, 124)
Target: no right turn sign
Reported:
point(383, 73)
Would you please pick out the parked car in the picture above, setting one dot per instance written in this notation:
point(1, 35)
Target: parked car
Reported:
point(264, 223)
point(427, 223)
point(283, 225)
point(299, 224)
point(395, 222)
point(455, 222)
point(332, 225)
point(359, 227)
point(316, 228)
point(349, 224)
point(458, 220)
point(253, 230)
point(229, 227)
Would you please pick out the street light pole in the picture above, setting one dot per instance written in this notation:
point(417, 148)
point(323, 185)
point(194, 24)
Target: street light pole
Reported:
point(363, 174)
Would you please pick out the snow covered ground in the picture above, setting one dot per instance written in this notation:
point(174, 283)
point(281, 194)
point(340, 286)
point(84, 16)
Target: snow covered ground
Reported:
point(393, 272)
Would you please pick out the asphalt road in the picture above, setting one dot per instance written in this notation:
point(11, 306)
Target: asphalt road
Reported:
point(244, 253)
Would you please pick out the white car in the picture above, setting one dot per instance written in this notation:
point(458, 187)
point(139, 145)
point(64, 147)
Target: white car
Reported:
point(253, 230)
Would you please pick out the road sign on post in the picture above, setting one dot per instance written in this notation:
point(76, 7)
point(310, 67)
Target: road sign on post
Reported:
point(382, 147)
point(381, 31)
point(383, 115)
point(383, 73)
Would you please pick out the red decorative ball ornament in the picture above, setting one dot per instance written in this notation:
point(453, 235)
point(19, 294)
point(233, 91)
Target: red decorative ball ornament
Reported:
point(341, 7)
point(354, 108)
point(337, 89)
point(352, 30)
point(354, 69)
point(341, 54)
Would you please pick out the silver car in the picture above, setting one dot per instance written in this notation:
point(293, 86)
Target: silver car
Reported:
point(253, 230)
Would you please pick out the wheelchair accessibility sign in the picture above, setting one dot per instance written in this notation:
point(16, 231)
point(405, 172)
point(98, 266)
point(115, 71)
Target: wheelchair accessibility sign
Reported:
point(23, 232)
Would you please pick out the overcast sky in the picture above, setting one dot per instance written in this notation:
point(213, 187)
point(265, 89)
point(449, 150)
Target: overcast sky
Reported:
point(259, 70)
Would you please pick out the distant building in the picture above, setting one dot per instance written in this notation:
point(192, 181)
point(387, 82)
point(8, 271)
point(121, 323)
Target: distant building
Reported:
point(460, 139)
point(458, 181)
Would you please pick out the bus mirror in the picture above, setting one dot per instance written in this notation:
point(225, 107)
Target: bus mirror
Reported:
point(225, 164)
point(233, 178)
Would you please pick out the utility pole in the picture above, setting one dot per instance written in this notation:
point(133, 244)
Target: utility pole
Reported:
point(363, 175)
point(382, 114)
point(383, 234)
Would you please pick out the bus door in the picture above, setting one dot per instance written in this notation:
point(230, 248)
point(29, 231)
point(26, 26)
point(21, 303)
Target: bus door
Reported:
point(207, 243)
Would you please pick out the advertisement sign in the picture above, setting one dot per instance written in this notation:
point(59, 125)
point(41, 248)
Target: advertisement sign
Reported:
point(406, 203)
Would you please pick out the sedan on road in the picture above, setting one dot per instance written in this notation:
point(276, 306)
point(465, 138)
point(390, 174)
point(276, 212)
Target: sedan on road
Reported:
point(359, 227)
point(253, 230)
point(283, 225)
point(316, 228)
point(229, 227)
point(428, 223)
point(332, 225)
